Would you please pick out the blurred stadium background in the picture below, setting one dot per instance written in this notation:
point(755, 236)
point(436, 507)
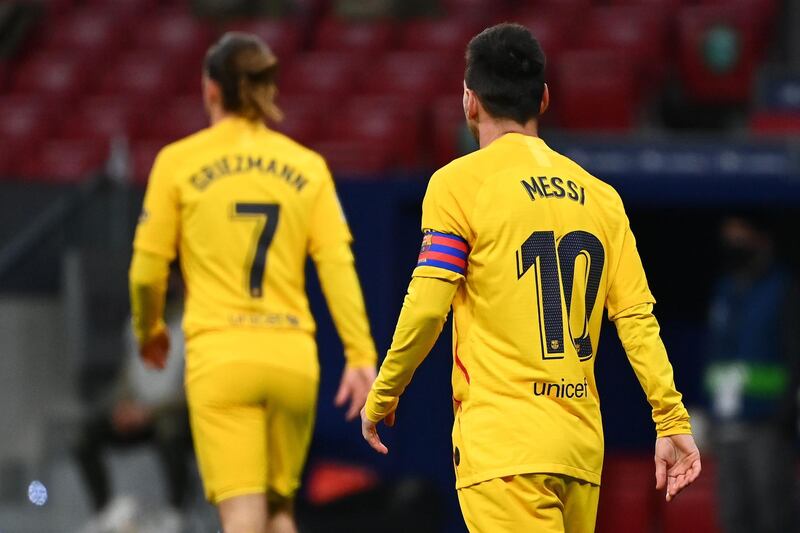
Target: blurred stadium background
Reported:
point(690, 108)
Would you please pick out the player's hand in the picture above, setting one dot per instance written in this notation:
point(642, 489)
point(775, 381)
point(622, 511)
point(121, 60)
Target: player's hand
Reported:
point(154, 351)
point(677, 463)
point(354, 387)
point(369, 431)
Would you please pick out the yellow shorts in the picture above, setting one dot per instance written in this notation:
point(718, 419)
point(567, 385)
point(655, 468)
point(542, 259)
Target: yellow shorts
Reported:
point(535, 503)
point(252, 398)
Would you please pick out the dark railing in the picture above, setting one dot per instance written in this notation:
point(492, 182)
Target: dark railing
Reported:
point(48, 221)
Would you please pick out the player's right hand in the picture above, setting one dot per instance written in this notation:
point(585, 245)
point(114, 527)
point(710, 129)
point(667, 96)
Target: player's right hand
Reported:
point(369, 430)
point(677, 463)
point(154, 350)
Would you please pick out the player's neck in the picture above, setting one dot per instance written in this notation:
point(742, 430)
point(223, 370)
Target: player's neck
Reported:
point(217, 114)
point(492, 130)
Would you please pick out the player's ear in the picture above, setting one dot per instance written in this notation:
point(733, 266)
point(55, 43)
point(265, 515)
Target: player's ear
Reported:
point(545, 100)
point(471, 104)
point(212, 94)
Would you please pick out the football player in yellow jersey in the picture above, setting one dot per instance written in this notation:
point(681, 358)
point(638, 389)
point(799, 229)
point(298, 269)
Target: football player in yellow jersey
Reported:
point(243, 206)
point(529, 249)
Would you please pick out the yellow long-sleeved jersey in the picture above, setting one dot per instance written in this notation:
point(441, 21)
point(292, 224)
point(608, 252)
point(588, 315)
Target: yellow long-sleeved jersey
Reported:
point(244, 206)
point(529, 249)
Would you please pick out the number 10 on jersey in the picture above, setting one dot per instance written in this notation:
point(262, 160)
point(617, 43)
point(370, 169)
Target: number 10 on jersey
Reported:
point(554, 270)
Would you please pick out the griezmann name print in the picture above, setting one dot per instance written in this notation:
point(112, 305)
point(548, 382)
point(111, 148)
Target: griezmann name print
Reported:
point(232, 165)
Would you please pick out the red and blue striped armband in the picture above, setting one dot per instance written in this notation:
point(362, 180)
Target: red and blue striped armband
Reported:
point(444, 250)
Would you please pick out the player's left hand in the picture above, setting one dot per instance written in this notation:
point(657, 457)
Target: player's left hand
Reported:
point(154, 351)
point(677, 463)
point(355, 385)
point(369, 431)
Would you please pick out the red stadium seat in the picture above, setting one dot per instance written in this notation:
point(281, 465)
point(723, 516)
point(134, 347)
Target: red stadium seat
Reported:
point(325, 74)
point(143, 154)
point(103, 118)
point(448, 35)
point(627, 499)
point(552, 29)
point(762, 12)
point(596, 90)
point(662, 7)
point(718, 30)
point(355, 158)
point(178, 118)
point(448, 125)
point(60, 7)
point(695, 509)
point(25, 119)
point(65, 160)
point(25, 123)
point(145, 77)
point(125, 7)
point(282, 36)
point(638, 32)
point(385, 126)
point(368, 37)
point(176, 34)
point(51, 75)
point(775, 123)
point(417, 75)
point(571, 10)
point(92, 33)
point(484, 9)
point(305, 118)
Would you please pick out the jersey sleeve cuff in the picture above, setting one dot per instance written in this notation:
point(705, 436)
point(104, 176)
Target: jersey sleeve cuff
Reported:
point(616, 310)
point(678, 430)
point(361, 360)
point(379, 406)
point(678, 427)
point(142, 246)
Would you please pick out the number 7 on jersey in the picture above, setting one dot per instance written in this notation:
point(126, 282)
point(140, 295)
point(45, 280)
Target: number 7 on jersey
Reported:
point(264, 238)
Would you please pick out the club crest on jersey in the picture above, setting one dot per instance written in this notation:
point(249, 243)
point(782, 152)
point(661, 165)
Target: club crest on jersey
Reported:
point(427, 241)
point(443, 250)
point(554, 344)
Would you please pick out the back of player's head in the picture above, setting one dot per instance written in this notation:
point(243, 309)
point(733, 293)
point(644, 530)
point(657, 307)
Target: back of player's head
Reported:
point(505, 69)
point(245, 69)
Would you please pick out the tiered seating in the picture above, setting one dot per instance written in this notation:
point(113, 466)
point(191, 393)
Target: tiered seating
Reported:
point(695, 509)
point(283, 36)
point(53, 76)
point(94, 34)
point(64, 160)
point(721, 71)
point(638, 33)
point(101, 118)
point(447, 121)
point(596, 91)
point(331, 75)
point(420, 76)
point(449, 35)
point(627, 498)
point(368, 37)
point(373, 95)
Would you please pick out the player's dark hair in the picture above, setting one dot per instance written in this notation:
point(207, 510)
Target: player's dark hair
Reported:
point(246, 71)
point(505, 69)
